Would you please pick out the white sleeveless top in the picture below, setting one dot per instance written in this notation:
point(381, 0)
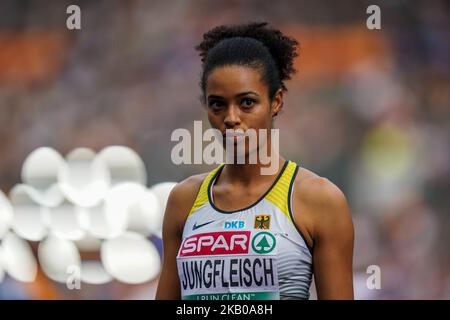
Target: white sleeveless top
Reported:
point(255, 253)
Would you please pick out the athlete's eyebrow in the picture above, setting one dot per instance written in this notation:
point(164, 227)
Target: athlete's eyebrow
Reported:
point(215, 97)
point(212, 96)
point(246, 93)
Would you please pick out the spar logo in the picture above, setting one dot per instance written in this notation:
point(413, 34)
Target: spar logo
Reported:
point(216, 243)
point(264, 242)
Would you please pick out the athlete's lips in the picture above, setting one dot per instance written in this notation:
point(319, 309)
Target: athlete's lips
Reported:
point(234, 136)
point(234, 133)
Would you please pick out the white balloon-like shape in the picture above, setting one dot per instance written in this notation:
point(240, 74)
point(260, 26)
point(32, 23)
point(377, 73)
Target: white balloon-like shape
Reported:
point(18, 258)
point(64, 221)
point(56, 255)
point(28, 218)
point(131, 258)
point(88, 243)
point(124, 165)
point(162, 191)
point(51, 197)
point(93, 272)
point(84, 179)
point(6, 214)
point(144, 216)
point(119, 202)
point(40, 172)
point(102, 227)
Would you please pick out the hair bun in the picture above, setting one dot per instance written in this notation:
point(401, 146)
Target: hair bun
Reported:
point(282, 48)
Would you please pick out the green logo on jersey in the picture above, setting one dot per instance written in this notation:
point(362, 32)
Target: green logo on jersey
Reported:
point(263, 242)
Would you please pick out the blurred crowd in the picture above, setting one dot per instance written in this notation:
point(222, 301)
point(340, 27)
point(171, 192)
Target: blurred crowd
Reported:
point(368, 109)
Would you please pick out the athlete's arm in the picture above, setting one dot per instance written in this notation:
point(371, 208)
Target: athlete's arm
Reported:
point(178, 206)
point(331, 231)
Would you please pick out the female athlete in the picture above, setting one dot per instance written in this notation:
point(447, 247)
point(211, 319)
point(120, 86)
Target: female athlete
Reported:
point(234, 233)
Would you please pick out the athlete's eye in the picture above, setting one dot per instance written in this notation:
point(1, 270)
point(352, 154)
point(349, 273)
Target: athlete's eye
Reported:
point(215, 105)
point(247, 102)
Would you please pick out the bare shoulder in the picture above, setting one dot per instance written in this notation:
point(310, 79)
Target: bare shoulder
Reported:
point(320, 202)
point(316, 190)
point(181, 199)
point(187, 189)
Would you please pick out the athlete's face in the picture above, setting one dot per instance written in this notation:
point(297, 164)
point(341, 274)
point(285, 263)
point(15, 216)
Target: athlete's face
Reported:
point(237, 98)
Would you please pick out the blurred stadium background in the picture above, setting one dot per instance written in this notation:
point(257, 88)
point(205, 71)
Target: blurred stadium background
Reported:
point(369, 109)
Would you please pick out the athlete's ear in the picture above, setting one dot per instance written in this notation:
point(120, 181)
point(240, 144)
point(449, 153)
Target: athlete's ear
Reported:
point(277, 103)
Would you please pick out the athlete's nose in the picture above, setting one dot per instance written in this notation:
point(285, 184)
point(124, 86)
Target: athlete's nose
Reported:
point(232, 117)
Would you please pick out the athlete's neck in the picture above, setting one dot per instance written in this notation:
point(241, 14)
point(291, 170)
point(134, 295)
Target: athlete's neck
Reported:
point(250, 174)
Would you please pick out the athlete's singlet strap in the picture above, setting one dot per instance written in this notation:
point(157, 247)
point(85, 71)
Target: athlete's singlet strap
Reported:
point(202, 195)
point(279, 195)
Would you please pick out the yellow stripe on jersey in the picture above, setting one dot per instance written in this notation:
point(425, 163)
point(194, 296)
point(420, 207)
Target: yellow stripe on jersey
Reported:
point(279, 195)
point(202, 195)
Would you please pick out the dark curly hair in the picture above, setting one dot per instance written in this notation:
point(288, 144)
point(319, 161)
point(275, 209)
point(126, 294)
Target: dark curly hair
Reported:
point(254, 45)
